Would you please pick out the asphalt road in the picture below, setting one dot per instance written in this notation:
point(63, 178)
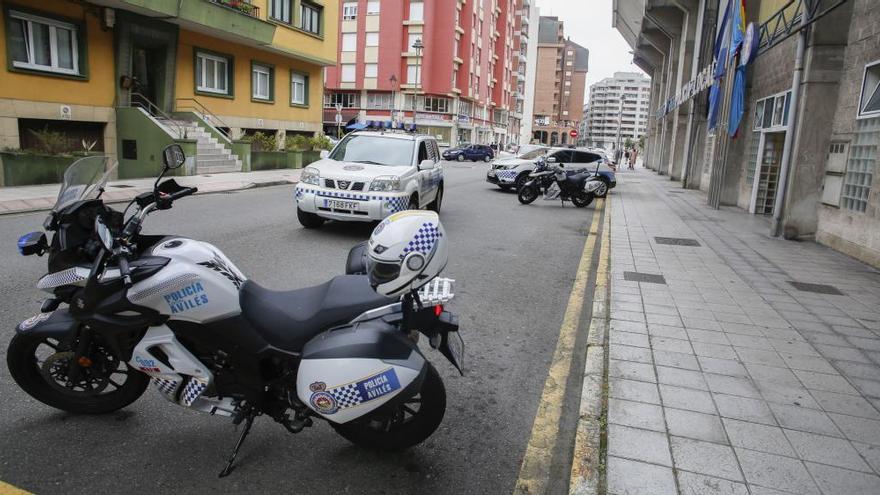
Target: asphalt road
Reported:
point(513, 264)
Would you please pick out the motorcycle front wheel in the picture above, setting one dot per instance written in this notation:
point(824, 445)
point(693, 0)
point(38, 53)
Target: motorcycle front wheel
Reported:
point(409, 424)
point(582, 199)
point(40, 365)
point(527, 194)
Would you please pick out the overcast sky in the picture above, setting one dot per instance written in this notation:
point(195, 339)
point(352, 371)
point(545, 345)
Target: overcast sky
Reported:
point(588, 23)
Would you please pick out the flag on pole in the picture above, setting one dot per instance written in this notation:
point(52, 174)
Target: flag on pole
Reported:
point(722, 41)
point(738, 25)
point(737, 100)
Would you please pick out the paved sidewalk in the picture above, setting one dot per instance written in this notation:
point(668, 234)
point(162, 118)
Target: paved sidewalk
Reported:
point(42, 197)
point(724, 376)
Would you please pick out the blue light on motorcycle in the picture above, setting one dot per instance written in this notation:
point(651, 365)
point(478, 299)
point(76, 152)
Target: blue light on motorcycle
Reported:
point(25, 240)
point(31, 243)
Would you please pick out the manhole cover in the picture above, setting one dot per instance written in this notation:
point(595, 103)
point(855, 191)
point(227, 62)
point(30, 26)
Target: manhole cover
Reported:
point(121, 186)
point(644, 277)
point(817, 288)
point(677, 241)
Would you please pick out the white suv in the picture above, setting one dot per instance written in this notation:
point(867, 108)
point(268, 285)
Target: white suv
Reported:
point(370, 175)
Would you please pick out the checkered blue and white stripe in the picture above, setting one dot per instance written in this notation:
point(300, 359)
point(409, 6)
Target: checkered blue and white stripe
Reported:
point(192, 391)
point(167, 386)
point(395, 204)
point(506, 175)
point(424, 240)
point(391, 203)
point(346, 395)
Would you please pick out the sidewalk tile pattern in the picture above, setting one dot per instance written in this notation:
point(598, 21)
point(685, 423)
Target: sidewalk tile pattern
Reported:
point(736, 376)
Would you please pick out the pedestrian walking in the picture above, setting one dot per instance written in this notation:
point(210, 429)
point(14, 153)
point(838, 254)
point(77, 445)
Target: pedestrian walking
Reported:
point(632, 158)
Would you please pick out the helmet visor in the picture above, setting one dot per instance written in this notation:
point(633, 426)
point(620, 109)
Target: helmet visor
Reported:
point(382, 273)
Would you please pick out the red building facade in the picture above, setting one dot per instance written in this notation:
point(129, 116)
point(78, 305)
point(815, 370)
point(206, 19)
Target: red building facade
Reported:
point(464, 79)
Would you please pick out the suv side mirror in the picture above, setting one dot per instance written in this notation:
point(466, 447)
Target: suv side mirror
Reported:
point(324, 154)
point(173, 156)
point(426, 165)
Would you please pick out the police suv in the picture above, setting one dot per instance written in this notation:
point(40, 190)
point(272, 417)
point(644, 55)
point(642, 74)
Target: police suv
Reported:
point(370, 175)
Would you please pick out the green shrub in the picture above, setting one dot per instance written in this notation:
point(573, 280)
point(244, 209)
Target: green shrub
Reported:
point(261, 142)
point(320, 142)
point(297, 142)
point(51, 142)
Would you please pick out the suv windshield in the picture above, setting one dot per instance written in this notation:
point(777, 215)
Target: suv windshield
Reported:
point(531, 155)
point(375, 150)
point(84, 179)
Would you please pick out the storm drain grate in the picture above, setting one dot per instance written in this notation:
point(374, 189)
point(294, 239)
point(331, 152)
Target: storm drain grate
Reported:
point(817, 288)
point(677, 241)
point(644, 277)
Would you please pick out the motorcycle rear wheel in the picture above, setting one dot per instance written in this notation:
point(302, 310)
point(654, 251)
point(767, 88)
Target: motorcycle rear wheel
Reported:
point(32, 363)
point(582, 199)
point(527, 194)
point(409, 424)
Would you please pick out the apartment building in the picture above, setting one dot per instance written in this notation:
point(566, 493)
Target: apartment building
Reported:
point(452, 67)
point(128, 77)
point(804, 153)
point(561, 72)
point(618, 110)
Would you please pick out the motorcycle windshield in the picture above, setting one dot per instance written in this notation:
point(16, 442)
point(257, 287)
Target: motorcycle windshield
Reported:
point(84, 179)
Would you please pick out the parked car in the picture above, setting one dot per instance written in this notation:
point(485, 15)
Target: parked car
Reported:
point(370, 175)
point(471, 152)
point(513, 173)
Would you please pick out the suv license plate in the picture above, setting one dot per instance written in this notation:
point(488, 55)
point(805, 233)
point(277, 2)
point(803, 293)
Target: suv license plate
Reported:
point(342, 205)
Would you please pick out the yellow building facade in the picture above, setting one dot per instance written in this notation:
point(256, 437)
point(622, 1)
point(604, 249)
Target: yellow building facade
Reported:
point(100, 71)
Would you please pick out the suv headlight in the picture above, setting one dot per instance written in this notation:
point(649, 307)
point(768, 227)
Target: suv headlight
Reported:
point(310, 175)
point(385, 183)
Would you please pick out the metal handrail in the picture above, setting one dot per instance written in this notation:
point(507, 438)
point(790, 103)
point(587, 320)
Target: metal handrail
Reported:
point(155, 111)
point(206, 115)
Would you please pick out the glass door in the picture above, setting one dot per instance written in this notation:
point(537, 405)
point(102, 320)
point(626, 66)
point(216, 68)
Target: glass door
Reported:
point(767, 177)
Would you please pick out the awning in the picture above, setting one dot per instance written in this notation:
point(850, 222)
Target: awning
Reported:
point(357, 126)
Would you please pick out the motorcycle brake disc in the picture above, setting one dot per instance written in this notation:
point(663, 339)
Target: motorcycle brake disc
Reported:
point(55, 371)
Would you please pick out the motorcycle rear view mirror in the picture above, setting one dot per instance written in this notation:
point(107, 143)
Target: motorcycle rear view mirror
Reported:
point(104, 234)
point(173, 156)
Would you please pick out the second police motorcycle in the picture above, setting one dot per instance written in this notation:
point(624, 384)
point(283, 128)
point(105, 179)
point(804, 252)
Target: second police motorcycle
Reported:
point(128, 309)
point(551, 180)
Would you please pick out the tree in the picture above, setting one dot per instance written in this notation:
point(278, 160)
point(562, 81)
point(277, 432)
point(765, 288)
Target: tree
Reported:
point(628, 144)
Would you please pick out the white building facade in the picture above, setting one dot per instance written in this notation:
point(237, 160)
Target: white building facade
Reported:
point(528, 68)
point(617, 110)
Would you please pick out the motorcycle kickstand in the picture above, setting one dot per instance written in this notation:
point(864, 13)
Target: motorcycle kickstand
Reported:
point(247, 428)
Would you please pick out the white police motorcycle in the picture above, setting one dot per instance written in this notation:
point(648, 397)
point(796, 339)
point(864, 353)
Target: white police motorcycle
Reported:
point(128, 309)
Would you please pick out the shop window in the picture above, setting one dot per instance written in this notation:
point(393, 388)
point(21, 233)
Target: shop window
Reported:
point(861, 164)
point(869, 101)
point(43, 44)
point(213, 73)
point(262, 82)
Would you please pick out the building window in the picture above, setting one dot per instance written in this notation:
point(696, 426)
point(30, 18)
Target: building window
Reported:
point(344, 100)
point(349, 11)
point(869, 101)
point(38, 43)
point(435, 104)
point(860, 165)
point(348, 73)
point(280, 10)
point(349, 42)
point(413, 75)
point(310, 18)
point(261, 82)
point(372, 39)
point(213, 73)
point(373, 7)
point(379, 101)
point(416, 11)
point(299, 89)
point(772, 111)
point(371, 70)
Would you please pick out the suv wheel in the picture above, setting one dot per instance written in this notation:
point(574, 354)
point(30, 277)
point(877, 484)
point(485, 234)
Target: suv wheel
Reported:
point(521, 180)
point(413, 203)
point(487, 158)
point(309, 220)
point(460, 158)
point(438, 201)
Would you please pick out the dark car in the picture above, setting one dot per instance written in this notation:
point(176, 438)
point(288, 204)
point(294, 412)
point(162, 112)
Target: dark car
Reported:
point(471, 152)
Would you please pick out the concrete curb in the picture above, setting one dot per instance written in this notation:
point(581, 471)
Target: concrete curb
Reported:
point(242, 186)
point(588, 460)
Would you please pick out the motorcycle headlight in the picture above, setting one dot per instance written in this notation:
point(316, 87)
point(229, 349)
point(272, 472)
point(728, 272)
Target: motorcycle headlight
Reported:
point(385, 183)
point(310, 175)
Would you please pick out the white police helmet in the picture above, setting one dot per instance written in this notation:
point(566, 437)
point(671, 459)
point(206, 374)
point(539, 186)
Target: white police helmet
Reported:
point(406, 250)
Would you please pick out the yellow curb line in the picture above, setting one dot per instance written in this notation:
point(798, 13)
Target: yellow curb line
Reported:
point(586, 472)
point(535, 468)
point(7, 489)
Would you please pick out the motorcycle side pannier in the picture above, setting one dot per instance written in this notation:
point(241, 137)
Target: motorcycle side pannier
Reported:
point(352, 371)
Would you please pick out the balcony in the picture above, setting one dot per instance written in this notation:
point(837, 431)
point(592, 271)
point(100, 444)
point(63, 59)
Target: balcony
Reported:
point(240, 6)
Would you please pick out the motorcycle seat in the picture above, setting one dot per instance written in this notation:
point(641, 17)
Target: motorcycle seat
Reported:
point(289, 318)
point(579, 178)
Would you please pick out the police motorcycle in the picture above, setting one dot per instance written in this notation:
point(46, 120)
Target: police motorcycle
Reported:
point(550, 179)
point(128, 309)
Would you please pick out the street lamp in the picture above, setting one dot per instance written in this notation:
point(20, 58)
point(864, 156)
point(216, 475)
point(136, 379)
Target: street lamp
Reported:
point(393, 81)
point(419, 47)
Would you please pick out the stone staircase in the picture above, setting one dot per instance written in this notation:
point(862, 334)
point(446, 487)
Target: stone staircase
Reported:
point(212, 157)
